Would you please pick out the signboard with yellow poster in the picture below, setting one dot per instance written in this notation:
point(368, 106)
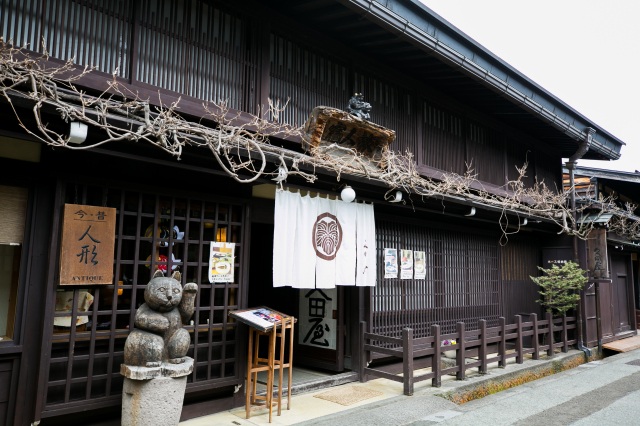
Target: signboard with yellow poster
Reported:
point(221, 260)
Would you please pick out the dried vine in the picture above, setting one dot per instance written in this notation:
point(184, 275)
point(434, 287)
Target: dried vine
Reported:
point(243, 149)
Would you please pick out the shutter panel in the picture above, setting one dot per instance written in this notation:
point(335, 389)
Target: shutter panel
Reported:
point(13, 207)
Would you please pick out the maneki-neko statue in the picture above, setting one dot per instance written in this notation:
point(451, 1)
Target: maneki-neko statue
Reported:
point(156, 364)
point(159, 335)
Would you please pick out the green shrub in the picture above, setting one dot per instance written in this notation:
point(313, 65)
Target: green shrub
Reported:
point(560, 287)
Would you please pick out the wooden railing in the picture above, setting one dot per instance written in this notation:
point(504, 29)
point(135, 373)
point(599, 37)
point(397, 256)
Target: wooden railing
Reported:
point(486, 345)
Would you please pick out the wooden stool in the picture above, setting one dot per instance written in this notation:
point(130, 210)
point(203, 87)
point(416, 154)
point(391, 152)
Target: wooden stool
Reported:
point(256, 364)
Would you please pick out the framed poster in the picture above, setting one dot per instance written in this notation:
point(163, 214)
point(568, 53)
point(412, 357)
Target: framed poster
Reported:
point(406, 264)
point(221, 262)
point(390, 263)
point(88, 241)
point(420, 265)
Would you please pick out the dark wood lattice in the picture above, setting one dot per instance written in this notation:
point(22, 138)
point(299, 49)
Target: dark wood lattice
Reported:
point(87, 339)
point(462, 281)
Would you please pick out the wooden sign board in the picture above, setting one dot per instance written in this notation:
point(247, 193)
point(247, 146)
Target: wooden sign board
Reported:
point(318, 323)
point(88, 241)
point(597, 260)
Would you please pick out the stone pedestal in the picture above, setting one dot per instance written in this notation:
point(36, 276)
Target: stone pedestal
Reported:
point(154, 396)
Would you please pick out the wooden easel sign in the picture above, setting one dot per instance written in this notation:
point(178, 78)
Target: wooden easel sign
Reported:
point(271, 325)
point(261, 318)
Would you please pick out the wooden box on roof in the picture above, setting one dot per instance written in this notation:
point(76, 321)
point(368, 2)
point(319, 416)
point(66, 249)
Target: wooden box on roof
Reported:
point(336, 133)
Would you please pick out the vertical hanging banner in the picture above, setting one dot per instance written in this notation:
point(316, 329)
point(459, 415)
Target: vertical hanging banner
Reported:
point(366, 246)
point(88, 241)
point(221, 260)
point(322, 243)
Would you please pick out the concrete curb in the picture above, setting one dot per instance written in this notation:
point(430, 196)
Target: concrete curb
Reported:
point(499, 379)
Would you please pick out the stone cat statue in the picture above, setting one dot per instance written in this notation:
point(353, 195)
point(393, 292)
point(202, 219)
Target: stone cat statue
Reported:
point(158, 335)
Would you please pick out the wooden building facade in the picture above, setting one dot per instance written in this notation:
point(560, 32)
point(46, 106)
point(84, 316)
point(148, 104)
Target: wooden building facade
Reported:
point(611, 303)
point(453, 105)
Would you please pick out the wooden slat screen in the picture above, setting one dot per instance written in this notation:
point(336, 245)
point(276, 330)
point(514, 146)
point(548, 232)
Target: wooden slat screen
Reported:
point(307, 78)
point(192, 48)
point(548, 171)
point(88, 341)
point(443, 139)
point(520, 260)
point(197, 49)
point(392, 106)
point(485, 156)
point(462, 281)
point(91, 32)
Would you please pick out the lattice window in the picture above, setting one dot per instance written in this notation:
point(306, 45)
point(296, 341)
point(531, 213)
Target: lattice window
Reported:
point(196, 49)
point(485, 153)
point(520, 259)
point(462, 281)
point(192, 48)
point(91, 32)
point(307, 78)
point(443, 136)
point(391, 107)
point(89, 334)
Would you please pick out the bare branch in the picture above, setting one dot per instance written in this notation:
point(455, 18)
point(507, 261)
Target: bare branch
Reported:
point(243, 150)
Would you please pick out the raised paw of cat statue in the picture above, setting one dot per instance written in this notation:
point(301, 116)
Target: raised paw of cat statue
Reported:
point(159, 335)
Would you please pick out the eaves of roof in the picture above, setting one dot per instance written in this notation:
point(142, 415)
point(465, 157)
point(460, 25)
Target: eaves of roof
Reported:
point(616, 175)
point(416, 23)
point(617, 239)
point(595, 218)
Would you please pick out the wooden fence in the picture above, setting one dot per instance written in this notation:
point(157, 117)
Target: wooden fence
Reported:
point(486, 345)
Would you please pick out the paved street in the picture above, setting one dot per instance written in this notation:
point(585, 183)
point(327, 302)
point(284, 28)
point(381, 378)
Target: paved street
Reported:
point(605, 392)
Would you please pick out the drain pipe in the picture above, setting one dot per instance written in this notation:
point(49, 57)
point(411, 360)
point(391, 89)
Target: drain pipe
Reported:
point(571, 166)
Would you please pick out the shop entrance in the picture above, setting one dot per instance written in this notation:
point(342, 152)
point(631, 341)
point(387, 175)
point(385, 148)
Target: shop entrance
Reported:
point(620, 300)
point(320, 334)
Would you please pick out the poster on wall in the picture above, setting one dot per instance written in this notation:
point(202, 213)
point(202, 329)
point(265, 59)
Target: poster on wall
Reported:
point(317, 325)
point(221, 260)
point(420, 265)
point(390, 263)
point(406, 264)
point(88, 241)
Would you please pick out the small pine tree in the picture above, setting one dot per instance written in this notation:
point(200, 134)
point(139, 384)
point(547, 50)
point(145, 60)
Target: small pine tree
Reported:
point(560, 287)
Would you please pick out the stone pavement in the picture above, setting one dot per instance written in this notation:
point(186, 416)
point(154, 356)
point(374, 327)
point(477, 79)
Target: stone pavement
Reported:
point(598, 393)
point(385, 400)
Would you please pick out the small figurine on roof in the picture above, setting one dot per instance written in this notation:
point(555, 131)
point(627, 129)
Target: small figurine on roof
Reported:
point(358, 107)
